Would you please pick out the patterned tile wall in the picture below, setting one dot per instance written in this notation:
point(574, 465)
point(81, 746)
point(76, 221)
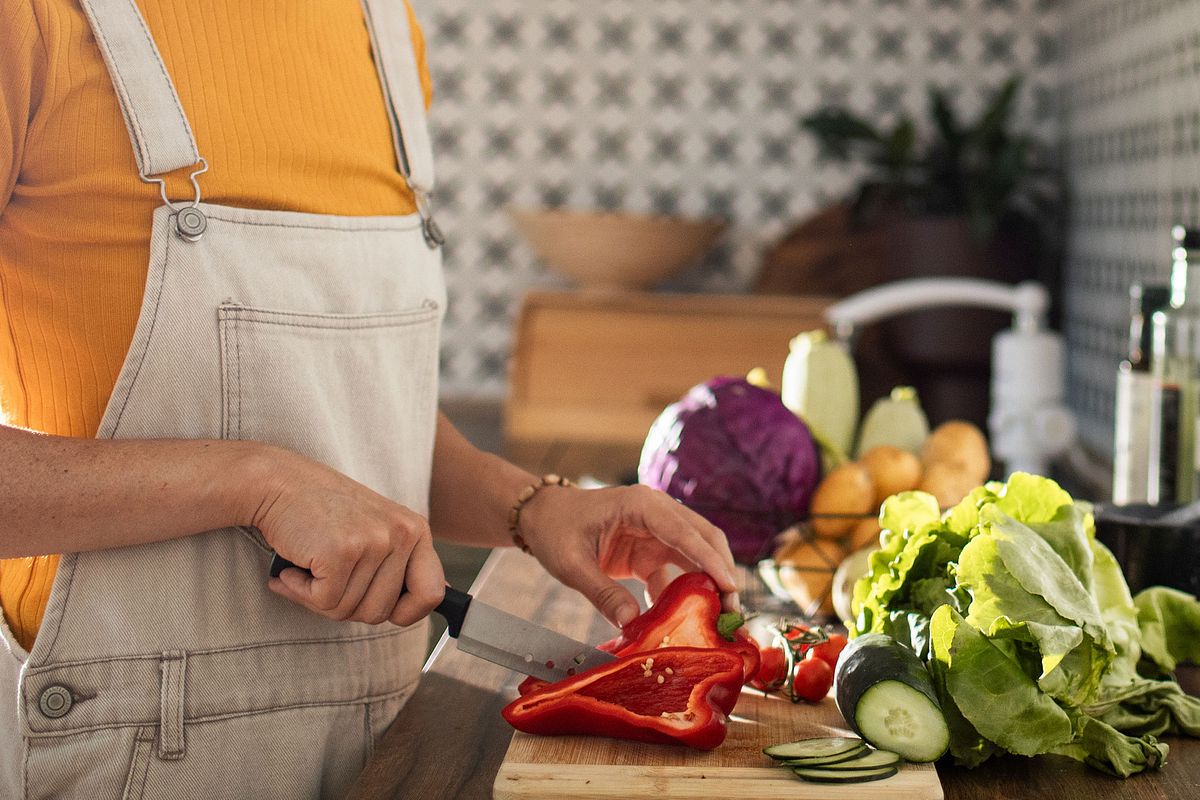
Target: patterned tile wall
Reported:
point(1131, 122)
point(683, 106)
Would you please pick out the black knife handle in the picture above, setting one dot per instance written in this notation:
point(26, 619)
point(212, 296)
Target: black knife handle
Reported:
point(453, 607)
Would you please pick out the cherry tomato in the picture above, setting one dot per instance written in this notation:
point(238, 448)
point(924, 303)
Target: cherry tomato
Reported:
point(772, 669)
point(814, 679)
point(830, 650)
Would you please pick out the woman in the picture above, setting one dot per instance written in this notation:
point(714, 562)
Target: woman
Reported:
point(220, 342)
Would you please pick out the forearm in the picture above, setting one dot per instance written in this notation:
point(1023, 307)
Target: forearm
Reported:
point(472, 491)
point(61, 494)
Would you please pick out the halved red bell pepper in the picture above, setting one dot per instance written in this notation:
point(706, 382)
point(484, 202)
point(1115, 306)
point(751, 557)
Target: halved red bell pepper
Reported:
point(673, 695)
point(684, 615)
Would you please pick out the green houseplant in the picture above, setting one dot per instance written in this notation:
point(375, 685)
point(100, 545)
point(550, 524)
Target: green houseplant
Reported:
point(981, 170)
point(962, 198)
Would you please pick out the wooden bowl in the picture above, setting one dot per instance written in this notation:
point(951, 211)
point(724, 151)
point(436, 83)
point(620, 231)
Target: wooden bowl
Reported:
point(616, 250)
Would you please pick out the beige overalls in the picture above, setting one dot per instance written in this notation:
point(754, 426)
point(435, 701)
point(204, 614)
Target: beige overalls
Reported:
point(169, 670)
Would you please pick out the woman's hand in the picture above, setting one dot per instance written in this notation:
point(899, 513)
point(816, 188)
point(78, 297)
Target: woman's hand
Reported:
point(587, 538)
point(362, 549)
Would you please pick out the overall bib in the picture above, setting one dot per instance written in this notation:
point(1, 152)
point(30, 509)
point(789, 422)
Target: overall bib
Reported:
point(169, 670)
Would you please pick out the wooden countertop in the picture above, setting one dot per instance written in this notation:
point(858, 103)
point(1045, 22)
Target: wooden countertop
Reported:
point(450, 739)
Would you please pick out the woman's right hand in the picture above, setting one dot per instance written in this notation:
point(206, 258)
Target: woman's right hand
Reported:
point(372, 560)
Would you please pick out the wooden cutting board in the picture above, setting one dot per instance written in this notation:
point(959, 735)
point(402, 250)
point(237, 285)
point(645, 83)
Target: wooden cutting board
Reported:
point(587, 767)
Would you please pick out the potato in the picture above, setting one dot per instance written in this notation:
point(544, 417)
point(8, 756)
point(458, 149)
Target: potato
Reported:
point(787, 543)
point(947, 482)
point(808, 575)
point(865, 534)
point(892, 470)
point(961, 444)
point(846, 490)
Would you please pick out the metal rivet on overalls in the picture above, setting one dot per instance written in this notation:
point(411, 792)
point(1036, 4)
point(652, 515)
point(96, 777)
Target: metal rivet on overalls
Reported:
point(55, 701)
point(191, 223)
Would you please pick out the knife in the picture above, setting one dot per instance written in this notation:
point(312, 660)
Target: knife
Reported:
point(504, 639)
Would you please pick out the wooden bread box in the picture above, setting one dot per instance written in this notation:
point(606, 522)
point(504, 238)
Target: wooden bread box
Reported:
point(591, 370)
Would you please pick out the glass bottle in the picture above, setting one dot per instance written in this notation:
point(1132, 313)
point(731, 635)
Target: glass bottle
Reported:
point(1135, 398)
point(1175, 367)
point(1174, 360)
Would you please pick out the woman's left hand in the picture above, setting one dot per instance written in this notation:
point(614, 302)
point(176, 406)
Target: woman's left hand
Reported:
point(590, 538)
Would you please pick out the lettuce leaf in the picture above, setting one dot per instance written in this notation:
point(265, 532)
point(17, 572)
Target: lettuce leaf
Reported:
point(1028, 628)
point(1169, 621)
point(993, 692)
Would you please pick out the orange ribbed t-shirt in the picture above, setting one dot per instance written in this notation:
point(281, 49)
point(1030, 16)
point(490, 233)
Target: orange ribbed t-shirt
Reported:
point(286, 106)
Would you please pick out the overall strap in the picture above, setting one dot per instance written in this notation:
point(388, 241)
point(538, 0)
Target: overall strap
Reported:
point(162, 138)
point(400, 77)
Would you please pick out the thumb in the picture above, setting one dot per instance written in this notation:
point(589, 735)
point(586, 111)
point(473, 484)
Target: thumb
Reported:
point(301, 587)
point(610, 598)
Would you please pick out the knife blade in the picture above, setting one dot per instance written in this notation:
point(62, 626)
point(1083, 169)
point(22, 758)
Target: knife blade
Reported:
point(502, 638)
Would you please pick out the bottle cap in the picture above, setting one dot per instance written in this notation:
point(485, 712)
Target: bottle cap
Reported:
point(1185, 237)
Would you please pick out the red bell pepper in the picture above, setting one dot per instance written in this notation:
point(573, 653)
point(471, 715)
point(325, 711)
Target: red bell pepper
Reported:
point(672, 695)
point(685, 615)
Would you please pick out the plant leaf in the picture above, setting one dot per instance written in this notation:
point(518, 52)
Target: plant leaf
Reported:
point(838, 130)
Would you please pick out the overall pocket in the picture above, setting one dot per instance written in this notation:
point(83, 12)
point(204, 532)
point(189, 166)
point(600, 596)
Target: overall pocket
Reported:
point(357, 392)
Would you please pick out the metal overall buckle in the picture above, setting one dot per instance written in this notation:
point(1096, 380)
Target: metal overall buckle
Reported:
point(190, 222)
point(433, 232)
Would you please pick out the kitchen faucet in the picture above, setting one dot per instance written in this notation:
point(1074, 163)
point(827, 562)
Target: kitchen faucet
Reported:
point(1029, 423)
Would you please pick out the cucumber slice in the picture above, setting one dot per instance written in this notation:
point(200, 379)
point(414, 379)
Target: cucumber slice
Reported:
point(885, 693)
point(892, 714)
point(813, 748)
point(872, 759)
point(820, 775)
point(820, 761)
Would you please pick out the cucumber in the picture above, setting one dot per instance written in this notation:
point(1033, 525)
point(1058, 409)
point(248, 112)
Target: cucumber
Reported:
point(871, 759)
point(887, 697)
point(814, 748)
point(820, 775)
point(821, 761)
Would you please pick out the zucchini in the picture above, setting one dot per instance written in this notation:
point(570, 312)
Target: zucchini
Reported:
point(814, 748)
point(820, 775)
point(820, 385)
point(896, 420)
point(887, 697)
point(871, 759)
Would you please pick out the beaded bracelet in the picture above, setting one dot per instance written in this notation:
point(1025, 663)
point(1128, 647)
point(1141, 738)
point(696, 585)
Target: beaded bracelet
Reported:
point(514, 513)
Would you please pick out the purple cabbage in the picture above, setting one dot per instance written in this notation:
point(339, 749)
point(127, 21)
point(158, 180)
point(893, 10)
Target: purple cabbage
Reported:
point(736, 455)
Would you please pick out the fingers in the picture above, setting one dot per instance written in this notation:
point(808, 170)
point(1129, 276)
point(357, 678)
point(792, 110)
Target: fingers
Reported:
point(661, 577)
point(425, 585)
point(381, 596)
point(362, 575)
point(610, 598)
point(691, 535)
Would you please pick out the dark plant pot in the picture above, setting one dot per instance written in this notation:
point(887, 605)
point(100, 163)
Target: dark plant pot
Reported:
point(947, 352)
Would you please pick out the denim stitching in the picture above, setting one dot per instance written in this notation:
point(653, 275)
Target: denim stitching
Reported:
point(162, 279)
point(223, 341)
point(375, 698)
point(391, 324)
point(162, 68)
point(341, 640)
point(122, 90)
point(407, 227)
point(249, 313)
point(67, 563)
point(237, 361)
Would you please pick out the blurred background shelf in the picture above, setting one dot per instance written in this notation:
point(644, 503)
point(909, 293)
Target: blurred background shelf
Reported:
point(591, 370)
